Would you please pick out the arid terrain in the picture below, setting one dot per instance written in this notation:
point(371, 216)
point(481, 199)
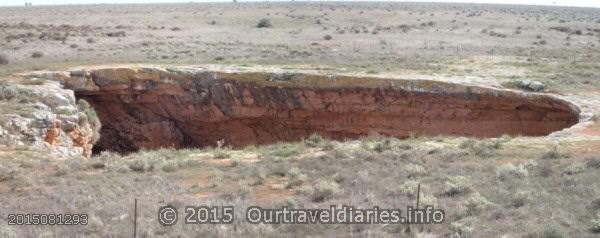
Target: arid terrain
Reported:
point(492, 109)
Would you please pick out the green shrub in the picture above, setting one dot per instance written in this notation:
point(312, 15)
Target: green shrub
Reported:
point(520, 199)
point(216, 179)
point(169, 167)
point(8, 92)
point(467, 144)
point(296, 177)
point(264, 23)
point(462, 230)
point(409, 188)
point(548, 232)
point(284, 77)
point(297, 181)
point(474, 205)
point(427, 199)
point(414, 170)
point(561, 28)
point(37, 54)
point(259, 176)
point(596, 224)
point(457, 185)
point(574, 168)
point(220, 153)
point(6, 173)
point(293, 172)
point(140, 165)
point(483, 149)
point(235, 162)
point(7, 232)
point(325, 190)
point(593, 162)
point(530, 164)
point(555, 152)
point(381, 146)
point(316, 141)
point(282, 150)
point(280, 168)
point(89, 116)
point(363, 154)
point(507, 171)
point(96, 164)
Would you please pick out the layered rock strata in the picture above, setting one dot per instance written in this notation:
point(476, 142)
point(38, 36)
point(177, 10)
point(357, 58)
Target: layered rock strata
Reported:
point(152, 107)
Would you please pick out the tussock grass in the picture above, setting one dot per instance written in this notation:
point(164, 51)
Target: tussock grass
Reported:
point(555, 152)
point(375, 170)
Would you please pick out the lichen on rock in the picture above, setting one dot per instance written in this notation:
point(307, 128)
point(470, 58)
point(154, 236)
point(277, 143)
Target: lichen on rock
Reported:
point(44, 116)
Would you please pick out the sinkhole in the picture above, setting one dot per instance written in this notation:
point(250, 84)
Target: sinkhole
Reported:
point(153, 107)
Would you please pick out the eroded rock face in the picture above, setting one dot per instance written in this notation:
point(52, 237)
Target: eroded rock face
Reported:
point(183, 107)
point(43, 116)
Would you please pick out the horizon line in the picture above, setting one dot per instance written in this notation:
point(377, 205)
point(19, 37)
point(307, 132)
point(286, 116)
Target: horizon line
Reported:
point(458, 2)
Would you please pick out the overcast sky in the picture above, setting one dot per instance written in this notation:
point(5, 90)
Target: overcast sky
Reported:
point(577, 3)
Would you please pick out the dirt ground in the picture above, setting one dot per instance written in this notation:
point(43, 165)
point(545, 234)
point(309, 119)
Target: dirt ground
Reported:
point(499, 187)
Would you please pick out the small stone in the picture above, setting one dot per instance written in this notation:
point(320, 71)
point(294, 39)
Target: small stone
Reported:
point(536, 86)
point(528, 85)
point(524, 83)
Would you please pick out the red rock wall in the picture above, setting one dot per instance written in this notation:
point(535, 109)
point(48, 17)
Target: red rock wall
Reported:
point(201, 110)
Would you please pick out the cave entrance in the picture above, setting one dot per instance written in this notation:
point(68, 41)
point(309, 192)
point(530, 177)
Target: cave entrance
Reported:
point(154, 108)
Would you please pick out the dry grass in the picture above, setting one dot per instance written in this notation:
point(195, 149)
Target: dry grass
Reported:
point(405, 38)
point(480, 198)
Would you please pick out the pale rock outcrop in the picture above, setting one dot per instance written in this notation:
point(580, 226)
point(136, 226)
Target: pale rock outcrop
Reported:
point(44, 116)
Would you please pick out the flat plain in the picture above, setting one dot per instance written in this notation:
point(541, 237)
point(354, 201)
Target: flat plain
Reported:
point(512, 186)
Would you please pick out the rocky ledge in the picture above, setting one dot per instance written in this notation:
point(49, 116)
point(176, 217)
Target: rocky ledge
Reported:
point(41, 114)
point(153, 107)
